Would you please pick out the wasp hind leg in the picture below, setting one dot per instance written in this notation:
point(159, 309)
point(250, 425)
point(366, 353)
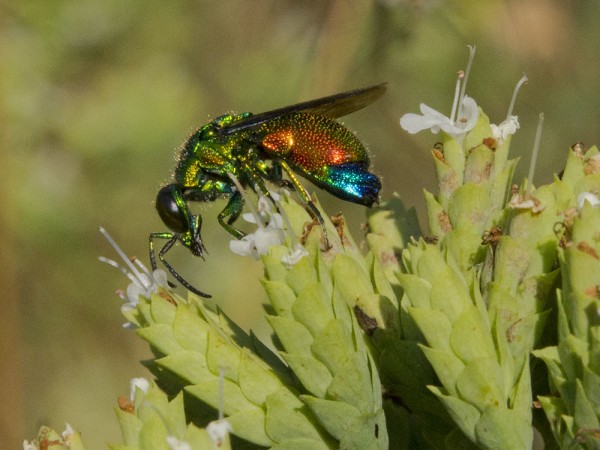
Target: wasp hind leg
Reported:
point(309, 204)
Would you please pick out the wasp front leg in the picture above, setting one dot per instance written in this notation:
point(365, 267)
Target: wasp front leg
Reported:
point(234, 208)
point(171, 238)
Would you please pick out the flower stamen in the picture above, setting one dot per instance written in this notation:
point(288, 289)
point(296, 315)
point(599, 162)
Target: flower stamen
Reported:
point(455, 108)
point(466, 78)
point(534, 153)
point(520, 83)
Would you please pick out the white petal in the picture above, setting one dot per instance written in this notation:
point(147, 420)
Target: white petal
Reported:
point(589, 198)
point(294, 256)
point(138, 383)
point(176, 444)
point(160, 277)
point(506, 128)
point(244, 247)
point(249, 217)
point(265, 238)
point(469, 114)
point(218, 430)
point(432, 114)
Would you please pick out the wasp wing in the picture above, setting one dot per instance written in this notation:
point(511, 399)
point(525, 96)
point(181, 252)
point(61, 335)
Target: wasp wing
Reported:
point(333, 106)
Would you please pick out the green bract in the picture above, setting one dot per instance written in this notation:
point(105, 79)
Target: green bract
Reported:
point(426, 341)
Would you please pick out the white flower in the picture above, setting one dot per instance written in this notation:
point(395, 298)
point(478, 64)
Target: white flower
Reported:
point(265, 236)
point(436, 121)
point(29, 445)
point(176, 444)
point(270, 230)
point(506, 128)
point(143, 282)
point(295, 255)
point(526, 201)
point(511, 124)
point(259, 242)
point(462, 118)
point(218, 431)
point(67, 435)
point(138, 383)
point(584, 197)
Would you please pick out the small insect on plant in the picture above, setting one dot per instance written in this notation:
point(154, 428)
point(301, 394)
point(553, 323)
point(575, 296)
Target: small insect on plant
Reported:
point(301, 139)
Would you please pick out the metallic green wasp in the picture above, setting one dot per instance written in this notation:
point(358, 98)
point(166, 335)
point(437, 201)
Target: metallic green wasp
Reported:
point(301, 139)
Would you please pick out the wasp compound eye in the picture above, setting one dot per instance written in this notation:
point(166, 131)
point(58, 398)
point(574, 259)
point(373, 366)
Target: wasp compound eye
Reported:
point(170, 206)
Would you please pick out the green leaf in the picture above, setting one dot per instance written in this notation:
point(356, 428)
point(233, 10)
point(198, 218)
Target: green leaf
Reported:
point(190, 366)
point(470, 338)
point(130, 426)
point(499, 428)
point(352, 384)
point(583, 413)
point(435, 327)
point(333, 346)
point(249, 424)
point(287, 418)
point(301, 276)
point(446, 365)
point(190, 330)
point(449, 294)
point(481, 384)
point(280, 296)
point(470, 207)
point(347, 425)
point(417, 289)
point(162, 310)
point(464, 414)
point(294, 336)
point(313, 374)
point(153, 435)
point(160, 336)
point(256, 379)
point(355, 278)
point(313, 308)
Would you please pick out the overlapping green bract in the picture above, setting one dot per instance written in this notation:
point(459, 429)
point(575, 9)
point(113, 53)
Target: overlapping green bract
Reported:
point(450, 363)
point(335, 399)
point(151, 421)
point(195, 344)
point(314, 306)
point(481, 291)
point(573, 409)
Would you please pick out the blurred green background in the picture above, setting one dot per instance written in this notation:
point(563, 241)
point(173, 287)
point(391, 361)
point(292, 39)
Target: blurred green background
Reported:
point(96, 96)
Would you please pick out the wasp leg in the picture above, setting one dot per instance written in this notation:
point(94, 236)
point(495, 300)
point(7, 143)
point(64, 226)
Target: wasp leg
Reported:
point(275, 175)
point(262, 187)
point(171, 240)
point(305, 197)
point(233, 210)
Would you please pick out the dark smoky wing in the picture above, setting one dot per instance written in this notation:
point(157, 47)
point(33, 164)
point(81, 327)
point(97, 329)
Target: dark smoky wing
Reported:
point(333, 106)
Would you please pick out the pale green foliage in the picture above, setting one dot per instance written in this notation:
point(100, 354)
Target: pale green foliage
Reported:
point(573, 409)
point(424, 342)
point(151, 420)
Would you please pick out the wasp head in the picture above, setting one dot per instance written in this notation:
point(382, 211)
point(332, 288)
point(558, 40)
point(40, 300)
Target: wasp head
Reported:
point(173, 210)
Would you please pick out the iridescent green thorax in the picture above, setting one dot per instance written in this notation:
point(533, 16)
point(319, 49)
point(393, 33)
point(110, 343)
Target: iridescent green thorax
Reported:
point(207, 152)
